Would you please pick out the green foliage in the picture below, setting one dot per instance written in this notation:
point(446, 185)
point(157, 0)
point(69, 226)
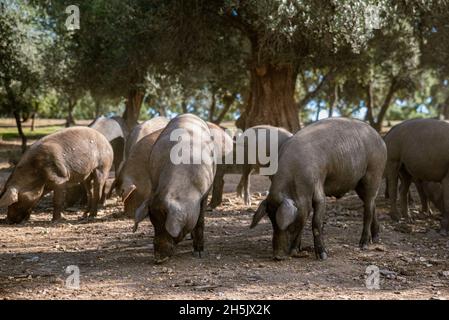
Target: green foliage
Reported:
point(21, 47)
point(194, 56)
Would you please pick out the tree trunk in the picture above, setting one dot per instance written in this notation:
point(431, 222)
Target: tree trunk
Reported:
point(376, 122)
point(385, 105)
point(334, 102)
point(70, 121)
point(370, 105)
point(213, 104)
point(20, 131)
point(227, 103)
point(97, 108)
point(310, 95)
point(132, 107)
point(271, 99)
point(443, 110)
point(184, 106)
point(318, 111)
point(33, 121)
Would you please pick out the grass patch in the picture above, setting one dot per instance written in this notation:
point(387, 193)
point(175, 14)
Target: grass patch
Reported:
point(10, 133)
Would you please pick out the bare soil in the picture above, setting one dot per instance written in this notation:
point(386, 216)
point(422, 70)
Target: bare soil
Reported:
point(115, 263)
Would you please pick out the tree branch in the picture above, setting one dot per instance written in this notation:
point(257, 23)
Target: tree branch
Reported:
point(312, 94)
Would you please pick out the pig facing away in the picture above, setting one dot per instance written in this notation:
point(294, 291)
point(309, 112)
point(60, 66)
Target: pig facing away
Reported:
point(67, 157)
point(179, 191)
point(142, 130)
point(134, 184)
point(327, 158)
point(245, 168)
point(115, 131)
point(417, 151)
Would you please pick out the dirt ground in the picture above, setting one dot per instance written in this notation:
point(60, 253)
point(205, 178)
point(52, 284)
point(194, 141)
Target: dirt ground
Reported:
point(115, 263)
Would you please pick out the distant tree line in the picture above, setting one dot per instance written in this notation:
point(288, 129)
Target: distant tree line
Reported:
point(279, 62)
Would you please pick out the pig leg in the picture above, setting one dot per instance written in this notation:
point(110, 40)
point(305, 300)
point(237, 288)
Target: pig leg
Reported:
point(88, 187)
point(99, 180)
point(367, 193)
point(296, 245)
point(445, 218)
point(425, 207)
point(58, 202)
point(198, 232)
point(217, 190)
point(244, 184)
point(319, 208)
point(392, 182)
point(375, 227)
point(404, 190)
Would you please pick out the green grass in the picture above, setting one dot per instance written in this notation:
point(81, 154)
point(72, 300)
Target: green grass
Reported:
point(10, 133)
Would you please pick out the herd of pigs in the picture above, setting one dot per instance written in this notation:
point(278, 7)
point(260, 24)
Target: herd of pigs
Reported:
point(327, 158)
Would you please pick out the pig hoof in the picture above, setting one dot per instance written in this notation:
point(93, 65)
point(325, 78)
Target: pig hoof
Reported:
point(199, 254)
point(213, 205)
point(409, 219)
point(395, 217)
point(321, 255)
point(161, 261)
point(376, 239)
point(279, 258)
point(364, 246)
point(299, 253)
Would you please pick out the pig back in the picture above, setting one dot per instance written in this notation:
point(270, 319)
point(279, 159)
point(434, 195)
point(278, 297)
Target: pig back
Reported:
point(143, 130)
point(335, 152)
point(180, 178)
point(421, 146)
point(79, 150)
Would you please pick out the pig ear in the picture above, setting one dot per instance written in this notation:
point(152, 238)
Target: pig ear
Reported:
point(9, 197)
point(127, 191)
point(286, 214)
point(141, 214)
point(260, 213)
point(174, 223)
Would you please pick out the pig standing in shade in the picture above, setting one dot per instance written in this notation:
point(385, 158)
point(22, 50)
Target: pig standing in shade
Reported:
point(246, 167)
point(67, 157)
point(327, 158)
point(179, 190)
point(134, 182)
point(115, 131)
point(142, 130)
point(417, 151)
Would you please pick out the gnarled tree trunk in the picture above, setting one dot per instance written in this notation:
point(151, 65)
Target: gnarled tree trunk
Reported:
point(376, 122)
point(271, 99)
point(132, 107)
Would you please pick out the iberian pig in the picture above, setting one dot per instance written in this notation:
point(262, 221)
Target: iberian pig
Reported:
point(182, 170)
point(143, 129)
point(134, 184)
point(417, 152)
point(327, 158)
point(55, 162)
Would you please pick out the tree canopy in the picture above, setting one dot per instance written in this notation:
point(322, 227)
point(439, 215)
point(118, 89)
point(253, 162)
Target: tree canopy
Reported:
point(279, 62)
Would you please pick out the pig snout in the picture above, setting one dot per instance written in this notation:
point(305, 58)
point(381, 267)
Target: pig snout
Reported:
point(164, 248)
point(17, 213)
